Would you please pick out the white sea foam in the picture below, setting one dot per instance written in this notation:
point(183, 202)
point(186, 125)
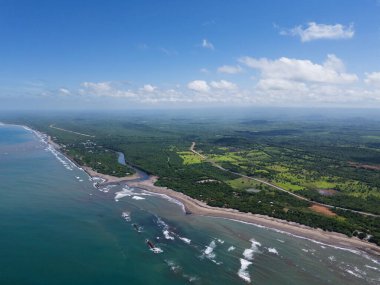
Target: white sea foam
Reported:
point(243, 272)
point(372, 267)
point(167, 235)
point(231, 248)
point(185, 240)
point(125, 192)
point(126, 216)
point(209, 250)
point(220, 241)
point(157, 250)
point(165, 228)
point(272, 250)
point(358, 252)
point(248, 253)
point(354, 273)
point(332, 258)
point(62, 159)
point(138, 198)
point(280, 240)
point(209, 253)
point(170, 199)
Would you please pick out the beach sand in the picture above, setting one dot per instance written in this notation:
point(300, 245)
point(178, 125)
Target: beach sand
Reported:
point(196, 207)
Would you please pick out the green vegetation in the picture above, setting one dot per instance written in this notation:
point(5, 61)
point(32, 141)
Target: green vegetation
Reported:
point(303, 156)
point(189, 157)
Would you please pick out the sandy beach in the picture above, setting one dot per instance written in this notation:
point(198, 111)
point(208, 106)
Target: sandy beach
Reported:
point(196, 207)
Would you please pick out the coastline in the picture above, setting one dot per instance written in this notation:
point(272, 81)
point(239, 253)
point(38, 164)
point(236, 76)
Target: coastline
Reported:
point(109, 178)
point(197, 207)
point(90, 172)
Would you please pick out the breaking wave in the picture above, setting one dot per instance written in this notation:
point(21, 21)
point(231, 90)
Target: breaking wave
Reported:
point(231, 248)
point(243, 272)
point(272, 250)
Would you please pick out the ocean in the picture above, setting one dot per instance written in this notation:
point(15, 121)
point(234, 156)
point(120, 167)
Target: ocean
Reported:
point(57, 228)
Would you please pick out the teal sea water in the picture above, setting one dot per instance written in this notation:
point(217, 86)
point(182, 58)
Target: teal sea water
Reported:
point(57, 228)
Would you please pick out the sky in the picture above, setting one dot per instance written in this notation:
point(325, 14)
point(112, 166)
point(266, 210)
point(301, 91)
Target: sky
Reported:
point(90, 54)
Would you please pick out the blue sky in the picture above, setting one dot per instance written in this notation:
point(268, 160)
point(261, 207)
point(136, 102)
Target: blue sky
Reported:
point(123, 54)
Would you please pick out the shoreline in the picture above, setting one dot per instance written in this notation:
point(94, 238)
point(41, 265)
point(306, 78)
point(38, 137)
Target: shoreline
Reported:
point(90, 172)
point(196, 207)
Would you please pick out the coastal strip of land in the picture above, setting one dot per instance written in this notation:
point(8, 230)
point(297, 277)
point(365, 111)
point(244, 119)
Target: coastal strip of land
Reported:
point(109, 178)
point(197, 207)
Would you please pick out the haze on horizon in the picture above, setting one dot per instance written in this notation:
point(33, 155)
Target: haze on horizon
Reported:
point(183, 54)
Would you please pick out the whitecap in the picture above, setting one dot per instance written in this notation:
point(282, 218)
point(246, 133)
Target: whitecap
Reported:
point(167, 235)
point(272, 250)
point(353, 273)
point(231, 248)
point(372, 267)
point(208, 251)
point(185, 240)
point(138, 198)
point(170, 199)
point(243, 272)
point(125, 192)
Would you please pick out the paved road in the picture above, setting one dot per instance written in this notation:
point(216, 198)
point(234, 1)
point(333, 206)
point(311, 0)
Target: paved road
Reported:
point(192, 149)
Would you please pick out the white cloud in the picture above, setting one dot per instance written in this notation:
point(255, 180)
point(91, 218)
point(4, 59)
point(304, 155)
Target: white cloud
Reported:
point(104, 89)
point(372, 78)
point(314, 31)
point(281, 84)
point(148, 88)
point(229, 69)
point(331, 71)
point(223, 84)
point(207, 44)
point(198, 85)
point(204, 70)
point(64, 91)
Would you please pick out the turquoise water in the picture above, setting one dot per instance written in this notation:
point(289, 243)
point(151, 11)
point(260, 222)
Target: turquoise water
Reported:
point(57, 228)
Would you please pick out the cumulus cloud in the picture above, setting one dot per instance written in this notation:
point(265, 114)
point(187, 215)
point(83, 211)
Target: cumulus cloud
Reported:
point(223, 84)
point(230, 69)
point(314, 31)
point(372, 78)
point(331, 71)
point(198, 86)
point(207, 44)
point(148, 88)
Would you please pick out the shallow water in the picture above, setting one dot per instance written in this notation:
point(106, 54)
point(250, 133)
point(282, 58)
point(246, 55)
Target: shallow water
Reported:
point(57, 228)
